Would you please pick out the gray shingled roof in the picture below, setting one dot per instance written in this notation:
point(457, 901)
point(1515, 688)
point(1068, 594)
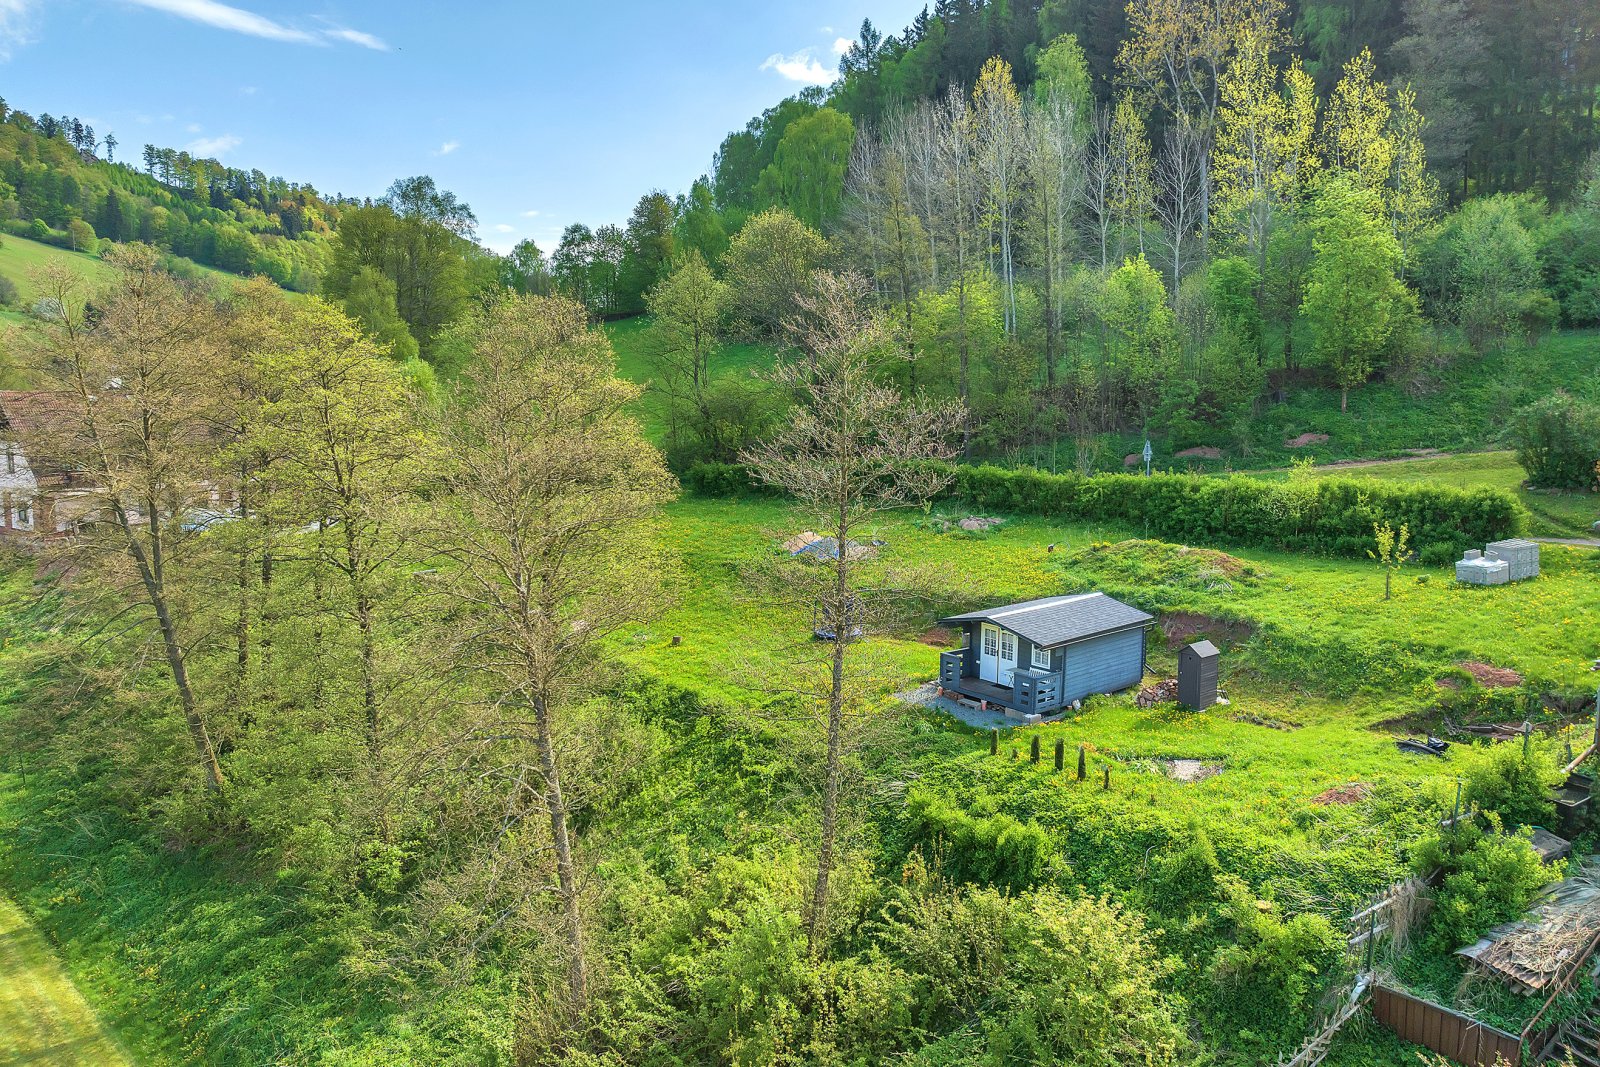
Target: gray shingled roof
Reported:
point(1059, 620)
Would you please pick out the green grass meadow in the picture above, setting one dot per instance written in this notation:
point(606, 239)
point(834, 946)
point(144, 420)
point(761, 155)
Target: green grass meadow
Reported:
point(44, 1020)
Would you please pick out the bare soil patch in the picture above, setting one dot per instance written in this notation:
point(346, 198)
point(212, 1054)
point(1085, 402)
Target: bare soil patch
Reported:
point(939, 637)
point(1181, 627)
point(1490, 676)
point(1190, 770)
point(1199, 452)
point(1343, 794)
point(1305, 440)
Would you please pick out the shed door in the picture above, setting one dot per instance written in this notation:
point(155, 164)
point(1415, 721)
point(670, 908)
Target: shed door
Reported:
point(1008, 657)
point(989, 653)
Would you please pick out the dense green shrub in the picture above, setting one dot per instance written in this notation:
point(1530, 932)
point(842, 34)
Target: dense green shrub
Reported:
point(1270, 974)
point(1322, 515)
point(1558, 441)
point(1516, 787)
point(1489, 878)
point(1328, 515)
point(994, 850)
point(711, 478)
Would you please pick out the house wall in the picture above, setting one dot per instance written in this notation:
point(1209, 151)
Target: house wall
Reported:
point(1103, 664)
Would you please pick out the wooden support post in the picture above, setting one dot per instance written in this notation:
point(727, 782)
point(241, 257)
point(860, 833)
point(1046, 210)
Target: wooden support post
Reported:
point(994, 741)
point(1106, 785)
point(1033, 749)
point(1013, 753)
point(1061, 753)
point(1083, 771)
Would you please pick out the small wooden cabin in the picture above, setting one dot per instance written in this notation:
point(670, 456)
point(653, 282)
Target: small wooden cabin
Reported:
point(1039, 656)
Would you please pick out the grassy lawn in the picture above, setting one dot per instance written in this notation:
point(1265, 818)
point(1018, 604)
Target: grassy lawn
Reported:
point(1553, 514)
point(1312, 692)
point(44, 1021)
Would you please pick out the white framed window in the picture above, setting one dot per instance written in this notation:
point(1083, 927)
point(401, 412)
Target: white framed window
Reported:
point(1008, 646)
point(1041, 658)
point(990, 641)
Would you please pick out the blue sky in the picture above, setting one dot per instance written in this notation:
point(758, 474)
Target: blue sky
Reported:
point(538, 114)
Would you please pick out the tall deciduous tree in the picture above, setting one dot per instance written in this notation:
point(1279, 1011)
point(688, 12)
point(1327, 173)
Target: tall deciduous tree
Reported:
point(1354, 301)
point(134, 421)
point(690, 306)
point(769, 266)
point(548, 526)
point(345, 448)
point(852, 449)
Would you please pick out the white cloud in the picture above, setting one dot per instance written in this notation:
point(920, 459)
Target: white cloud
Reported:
point(237, 20)
point(193, 127)
point(530, 214)
point(209, 147)
point(501, 227)
point(248, 90)
point(841, 45)
point(802, 67)
point(16, 26)
point(446, 148)
point(365, 40)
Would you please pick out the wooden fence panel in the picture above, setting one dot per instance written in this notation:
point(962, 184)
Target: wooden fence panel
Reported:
point(1449, 1033)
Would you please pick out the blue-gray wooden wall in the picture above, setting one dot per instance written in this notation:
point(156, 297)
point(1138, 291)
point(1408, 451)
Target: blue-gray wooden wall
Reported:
point(1098, 665)
point(1103, 664)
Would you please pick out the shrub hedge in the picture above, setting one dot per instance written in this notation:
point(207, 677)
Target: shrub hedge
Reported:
point(1327, 515)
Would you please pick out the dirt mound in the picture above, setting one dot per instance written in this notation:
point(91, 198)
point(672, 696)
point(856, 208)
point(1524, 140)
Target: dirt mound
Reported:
point(1181, 627)
point(1490, 676)
point(1306, 439)
point(1162, 692)
point(1343, 794)
point(939, 637)
point(1202, 452)
point(1133, 459)
point(1149, 565)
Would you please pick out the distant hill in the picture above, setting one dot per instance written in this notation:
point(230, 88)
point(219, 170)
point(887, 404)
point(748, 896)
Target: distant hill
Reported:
point(62, 185)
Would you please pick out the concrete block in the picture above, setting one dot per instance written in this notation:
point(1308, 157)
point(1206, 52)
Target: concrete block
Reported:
point(1483, 571)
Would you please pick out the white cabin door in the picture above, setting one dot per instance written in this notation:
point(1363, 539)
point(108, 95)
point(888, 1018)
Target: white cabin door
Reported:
point(1008, 657)
point(989, 653)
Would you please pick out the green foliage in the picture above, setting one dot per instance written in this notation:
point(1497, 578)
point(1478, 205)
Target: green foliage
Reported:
point(1270, 974)
point(370, 300)
point(1489, 878)
point(990, 850)
point(1354, 302)
point(806, 174)
point(1558, 441)
point(768, 267)
point(1084, 989)
point(1325, 515)
point(1513, 785)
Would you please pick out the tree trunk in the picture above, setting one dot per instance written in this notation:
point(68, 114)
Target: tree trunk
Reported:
point(151, 573)
point(566, 869)
point(816, 928)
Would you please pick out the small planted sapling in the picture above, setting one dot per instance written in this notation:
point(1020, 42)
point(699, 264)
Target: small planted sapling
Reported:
point(1390, 550)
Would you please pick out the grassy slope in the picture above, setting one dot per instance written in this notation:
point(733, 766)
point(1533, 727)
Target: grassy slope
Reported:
point(726, 627)
point(44, 1020)
point(630, 339)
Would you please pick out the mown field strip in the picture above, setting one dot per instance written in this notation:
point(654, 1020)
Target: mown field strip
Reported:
point(44, 1020)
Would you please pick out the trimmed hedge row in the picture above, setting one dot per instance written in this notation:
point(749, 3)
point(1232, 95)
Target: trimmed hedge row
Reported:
point(1333, 516)
point(1329, 515)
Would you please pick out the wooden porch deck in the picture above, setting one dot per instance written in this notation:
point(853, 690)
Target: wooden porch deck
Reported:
point(979, 689)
